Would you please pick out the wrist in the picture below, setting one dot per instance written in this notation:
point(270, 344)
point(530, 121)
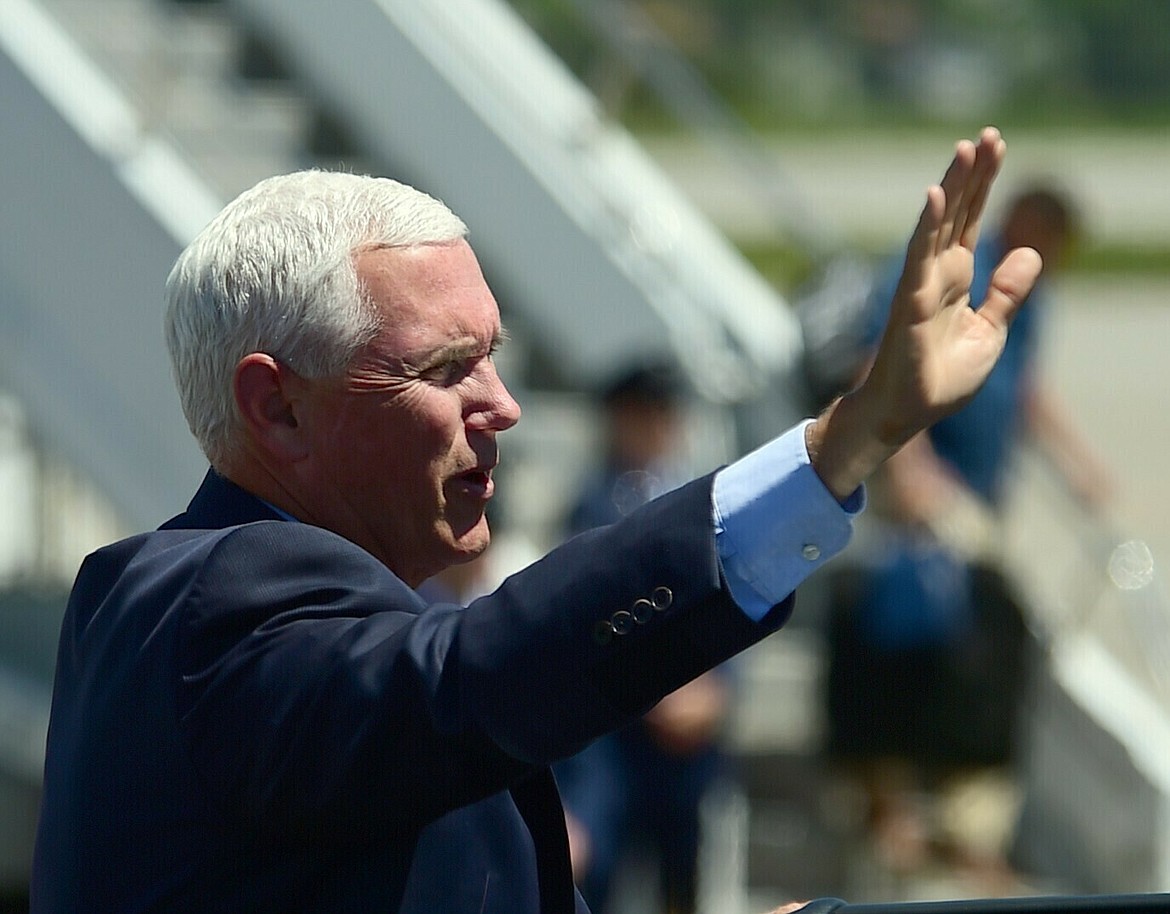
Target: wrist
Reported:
point(848, 442)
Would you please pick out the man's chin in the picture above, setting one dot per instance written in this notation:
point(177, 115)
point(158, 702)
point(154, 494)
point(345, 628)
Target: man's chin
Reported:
point(471, 543)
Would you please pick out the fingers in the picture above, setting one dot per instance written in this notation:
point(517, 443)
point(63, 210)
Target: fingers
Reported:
point(954, 182)
point(954, 208)
point(925, 238)
point(1010, 284)
point(966, 184)
point(988, 161)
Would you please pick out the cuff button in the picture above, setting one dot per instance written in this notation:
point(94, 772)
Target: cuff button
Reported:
point(621, 621)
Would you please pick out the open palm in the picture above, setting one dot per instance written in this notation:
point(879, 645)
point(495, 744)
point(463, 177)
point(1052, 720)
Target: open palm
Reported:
point(937, 350)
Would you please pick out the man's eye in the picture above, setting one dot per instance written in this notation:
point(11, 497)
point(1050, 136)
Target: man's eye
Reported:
point(450, 372)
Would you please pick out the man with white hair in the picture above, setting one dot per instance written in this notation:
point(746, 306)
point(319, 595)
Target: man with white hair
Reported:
point(255, 711)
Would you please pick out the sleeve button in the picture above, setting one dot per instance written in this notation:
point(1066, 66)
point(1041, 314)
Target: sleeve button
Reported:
point(642, 610)
point(811, 551)
point(621, 621)
point(662, 598)
point(603, 632)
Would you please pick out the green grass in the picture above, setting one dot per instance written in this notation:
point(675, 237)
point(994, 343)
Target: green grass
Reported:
point(784, 266)
point(1113, 261)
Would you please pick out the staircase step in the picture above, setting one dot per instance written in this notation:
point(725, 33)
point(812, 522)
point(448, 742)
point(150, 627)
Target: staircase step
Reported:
point(179, 63)
point(223, 114)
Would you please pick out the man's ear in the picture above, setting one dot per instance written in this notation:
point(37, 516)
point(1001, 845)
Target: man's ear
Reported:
point(264, 390)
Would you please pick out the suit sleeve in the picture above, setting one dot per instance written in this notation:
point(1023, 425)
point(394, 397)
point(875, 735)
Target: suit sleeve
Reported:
point(318, 690)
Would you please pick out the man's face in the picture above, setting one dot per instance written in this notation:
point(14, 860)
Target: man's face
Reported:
point(403, 446)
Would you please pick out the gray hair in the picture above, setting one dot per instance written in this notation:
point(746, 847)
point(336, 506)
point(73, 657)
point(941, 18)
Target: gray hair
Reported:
point(274, 272)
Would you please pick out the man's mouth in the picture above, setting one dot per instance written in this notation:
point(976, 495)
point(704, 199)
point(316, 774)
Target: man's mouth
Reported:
point(477, 482)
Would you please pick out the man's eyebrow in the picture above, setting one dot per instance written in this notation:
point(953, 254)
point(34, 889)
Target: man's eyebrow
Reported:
point(463, 348)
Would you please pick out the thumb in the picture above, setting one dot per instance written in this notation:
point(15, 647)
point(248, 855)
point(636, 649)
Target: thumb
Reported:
point(1010, 284)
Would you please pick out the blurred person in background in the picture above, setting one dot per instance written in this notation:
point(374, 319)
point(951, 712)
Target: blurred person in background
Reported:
point(641, 788)
point(928, 643)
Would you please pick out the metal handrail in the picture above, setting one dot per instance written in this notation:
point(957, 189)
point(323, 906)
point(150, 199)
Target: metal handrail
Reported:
point(1102, 562)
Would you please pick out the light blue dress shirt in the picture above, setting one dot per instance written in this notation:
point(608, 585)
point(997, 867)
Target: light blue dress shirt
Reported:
point(776, 522)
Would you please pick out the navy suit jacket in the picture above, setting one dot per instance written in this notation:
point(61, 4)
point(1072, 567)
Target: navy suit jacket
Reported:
point(256, 715)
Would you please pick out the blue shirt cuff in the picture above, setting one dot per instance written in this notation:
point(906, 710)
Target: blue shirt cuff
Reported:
point(776, 522)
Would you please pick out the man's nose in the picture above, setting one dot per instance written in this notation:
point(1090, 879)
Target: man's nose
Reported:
point(499, 410)
point(509, 410)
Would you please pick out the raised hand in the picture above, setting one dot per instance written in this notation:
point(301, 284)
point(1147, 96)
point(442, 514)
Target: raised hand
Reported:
point(937, 350)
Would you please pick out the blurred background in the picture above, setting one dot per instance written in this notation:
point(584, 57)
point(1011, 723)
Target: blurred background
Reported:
point(713, 184)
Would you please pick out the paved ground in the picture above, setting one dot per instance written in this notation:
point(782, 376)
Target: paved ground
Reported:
point(1106, 353)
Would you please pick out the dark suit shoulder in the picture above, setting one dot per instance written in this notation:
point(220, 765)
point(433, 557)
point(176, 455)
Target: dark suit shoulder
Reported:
point(277, 567)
